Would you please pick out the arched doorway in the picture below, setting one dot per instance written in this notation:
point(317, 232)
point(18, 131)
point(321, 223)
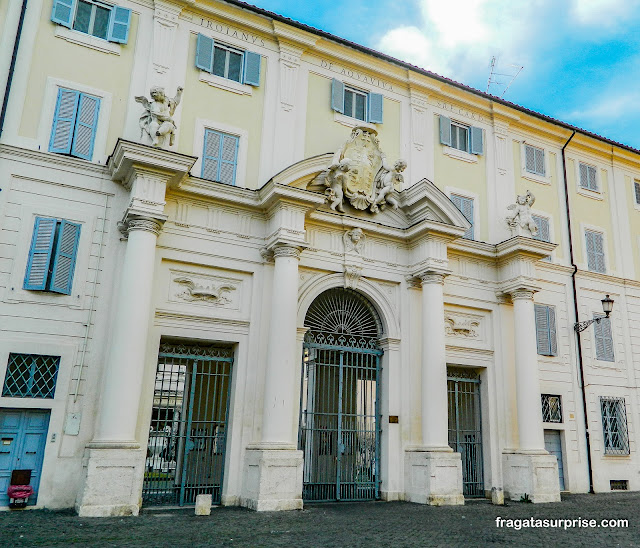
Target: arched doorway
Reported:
point(339, 398)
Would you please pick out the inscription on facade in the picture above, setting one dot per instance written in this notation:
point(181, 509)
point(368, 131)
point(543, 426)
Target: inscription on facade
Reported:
point(462, 111)
point(356, 75)
point(227, 30)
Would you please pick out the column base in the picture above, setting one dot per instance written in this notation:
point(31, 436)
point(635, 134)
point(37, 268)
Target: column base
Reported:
point(273, 479)
point(113, 476)
point(433, 477)
point(532, 475)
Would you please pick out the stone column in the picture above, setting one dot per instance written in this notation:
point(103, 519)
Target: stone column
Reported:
point(274, 465)
point(529, 470)
point(433, 472)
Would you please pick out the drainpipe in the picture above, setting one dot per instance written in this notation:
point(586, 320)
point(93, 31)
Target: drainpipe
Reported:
point(12, 66)
point(575, 307)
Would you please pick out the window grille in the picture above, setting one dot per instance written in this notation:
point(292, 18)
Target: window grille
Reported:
point(31, 376)
point(551, 408)
point(534, 160)
point(619, 485)
point(588, 177)
point(614, 426)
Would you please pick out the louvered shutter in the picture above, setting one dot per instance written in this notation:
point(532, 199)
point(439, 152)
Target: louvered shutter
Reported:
point(591, 254)
point(86, 125)
point(542, 329)
point(600, 340)
point(636, 188)
point(211, 155)
point(64, 120)
point(228, 159)
point(252, 63)
point(553, 340)
point(584, 177)
point(607, 339)
point(445, 130)
point(375, 108)
point(204, 53)
point(44, 232)
point(119, 23)
point(592, 178)
point(64, 259)
point(465, 205)
point(540, 161)
point(62, 12)
point(543, 228)
point(598, 248)
point(530, 159)
point(337, 96)
point(476, 140)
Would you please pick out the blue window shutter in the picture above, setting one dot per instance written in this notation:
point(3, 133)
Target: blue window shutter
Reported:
point(228, 159)
point(375, 108)
point(445, 130)
point(337, 96)
point(542, 329)
point(64, 258)
point(598, 329)
point(62, 12)
point(465, 205)
point(119, 23)
point(553, 340)
point(211, 155)
point(476, 140)
point(252, 62)
point(204, 53)
point(64, 120)
point(608, 339)
point(44, 232)
point(86, 124)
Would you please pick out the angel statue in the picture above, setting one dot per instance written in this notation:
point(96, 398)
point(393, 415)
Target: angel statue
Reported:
point(157, 120)
point(334, 178)
point(520, 216)
point(387, 178)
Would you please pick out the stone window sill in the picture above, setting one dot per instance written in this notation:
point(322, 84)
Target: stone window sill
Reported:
point(225, 83)
point(593, 194)
point(460, 155)
point(87, 40)
point(351, 122)
point(541, 179)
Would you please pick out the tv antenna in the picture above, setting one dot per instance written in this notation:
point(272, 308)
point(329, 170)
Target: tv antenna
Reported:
point(516, 69)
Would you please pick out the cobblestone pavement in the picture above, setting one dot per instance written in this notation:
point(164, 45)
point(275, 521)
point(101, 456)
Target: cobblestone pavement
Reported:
point(373, 524)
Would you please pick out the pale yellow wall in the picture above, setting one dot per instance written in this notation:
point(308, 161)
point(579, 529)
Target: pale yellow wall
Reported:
point(58, 58)
point(547, 201)
point(200, 100)
point(450, 172)
point(634, 220)
point(4, 7)
point(324, 134)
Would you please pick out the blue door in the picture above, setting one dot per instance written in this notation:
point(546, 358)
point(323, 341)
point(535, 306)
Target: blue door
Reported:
point(553, 444)
point(23, 434)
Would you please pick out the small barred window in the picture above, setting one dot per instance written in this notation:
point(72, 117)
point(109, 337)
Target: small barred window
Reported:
point(551, 408)
point(31, 376)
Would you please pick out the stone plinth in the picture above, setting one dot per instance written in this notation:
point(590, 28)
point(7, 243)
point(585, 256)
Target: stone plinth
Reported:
point(203, 505)
point(433, 477)
point(273, 479)
point(112, 482)
point(535, 474)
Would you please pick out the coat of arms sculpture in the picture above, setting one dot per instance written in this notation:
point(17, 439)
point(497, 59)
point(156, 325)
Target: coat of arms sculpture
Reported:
point(361, 173)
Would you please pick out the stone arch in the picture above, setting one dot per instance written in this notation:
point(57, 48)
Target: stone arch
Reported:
point(314, 287)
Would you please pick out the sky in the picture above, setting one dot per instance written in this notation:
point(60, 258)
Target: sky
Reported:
point(580, 58)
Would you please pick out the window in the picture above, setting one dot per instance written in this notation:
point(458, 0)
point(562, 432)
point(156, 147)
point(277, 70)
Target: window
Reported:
point(636, 188)
point(588, 177)
point(52, 256)
point(220, 157)
point(546, 330)
point(461, 137)
point(465, 205)
point(544, 234)
point(595, 251)
point(228, 62)
point(619, 485)
point(74, 124)
point(356, 103)
point(614, 426)
point(534, 160)
point(31, 376)
point(93, 17)
point(603, 338)
point(551, 408)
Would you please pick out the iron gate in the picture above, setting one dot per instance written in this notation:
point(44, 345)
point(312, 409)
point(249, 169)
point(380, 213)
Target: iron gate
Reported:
point(339, 430)
point(188, 431)
point(465, 429)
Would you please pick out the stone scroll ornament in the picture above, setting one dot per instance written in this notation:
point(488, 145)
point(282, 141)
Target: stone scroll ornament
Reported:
point(360, 173)
point(157, 121)
point(519, 218)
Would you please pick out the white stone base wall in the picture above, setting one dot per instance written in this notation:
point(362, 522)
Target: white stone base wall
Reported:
point(433, 477)
point(535, 475)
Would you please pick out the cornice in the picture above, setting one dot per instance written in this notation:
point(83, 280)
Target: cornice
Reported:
point(526, 247)
point(52, 159)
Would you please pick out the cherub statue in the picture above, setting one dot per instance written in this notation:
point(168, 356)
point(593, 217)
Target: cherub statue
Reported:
point(521, 213)
point(387, 178)
point(335, 179)
point(354, 240)
point(157, 121)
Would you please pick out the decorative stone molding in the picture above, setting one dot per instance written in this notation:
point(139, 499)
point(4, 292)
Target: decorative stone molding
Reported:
point(354, 240)
point(148, 225)
point(461, 326)
point(419, 106)
point(165, 23)
point(524, 294)
point(352, 275)
point(210, 293)
point(432, 278)
point(286, 251)
point(267, 255)
point(413, 282)
point(289, 65)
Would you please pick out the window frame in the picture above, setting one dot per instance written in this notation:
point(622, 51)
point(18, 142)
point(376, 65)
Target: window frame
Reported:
point(467, 129)
point(33, 369)
point(544, 160)
point(595, 230)
point(228, 49)
point(535, 216)
point(470, 234)
point(611, 358)
point(551, 334)
point(222, 135)
point(355, 92)
point(596, 180)
point(559, 407)
point(608, 433)
point(94, 5)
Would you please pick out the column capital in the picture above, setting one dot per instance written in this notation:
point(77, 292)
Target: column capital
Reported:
point(522, 294)
point(432, 277)
point(146, 224)
point(286, 250)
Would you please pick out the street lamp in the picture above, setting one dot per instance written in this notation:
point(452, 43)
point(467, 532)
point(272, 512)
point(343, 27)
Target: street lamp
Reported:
point(607, 307)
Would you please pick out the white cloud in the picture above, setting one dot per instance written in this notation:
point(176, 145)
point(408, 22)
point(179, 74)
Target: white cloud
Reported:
point(607, 107)
point(601, 12)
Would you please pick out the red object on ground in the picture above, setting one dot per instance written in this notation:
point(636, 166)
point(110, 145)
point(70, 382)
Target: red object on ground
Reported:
point(19, 491)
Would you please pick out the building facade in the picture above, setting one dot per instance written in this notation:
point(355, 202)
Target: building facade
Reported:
point(253, 298)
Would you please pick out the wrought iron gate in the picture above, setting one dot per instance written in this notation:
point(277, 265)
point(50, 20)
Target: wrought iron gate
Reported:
point(188, 432)
point(465, 428)
point(339, 430)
